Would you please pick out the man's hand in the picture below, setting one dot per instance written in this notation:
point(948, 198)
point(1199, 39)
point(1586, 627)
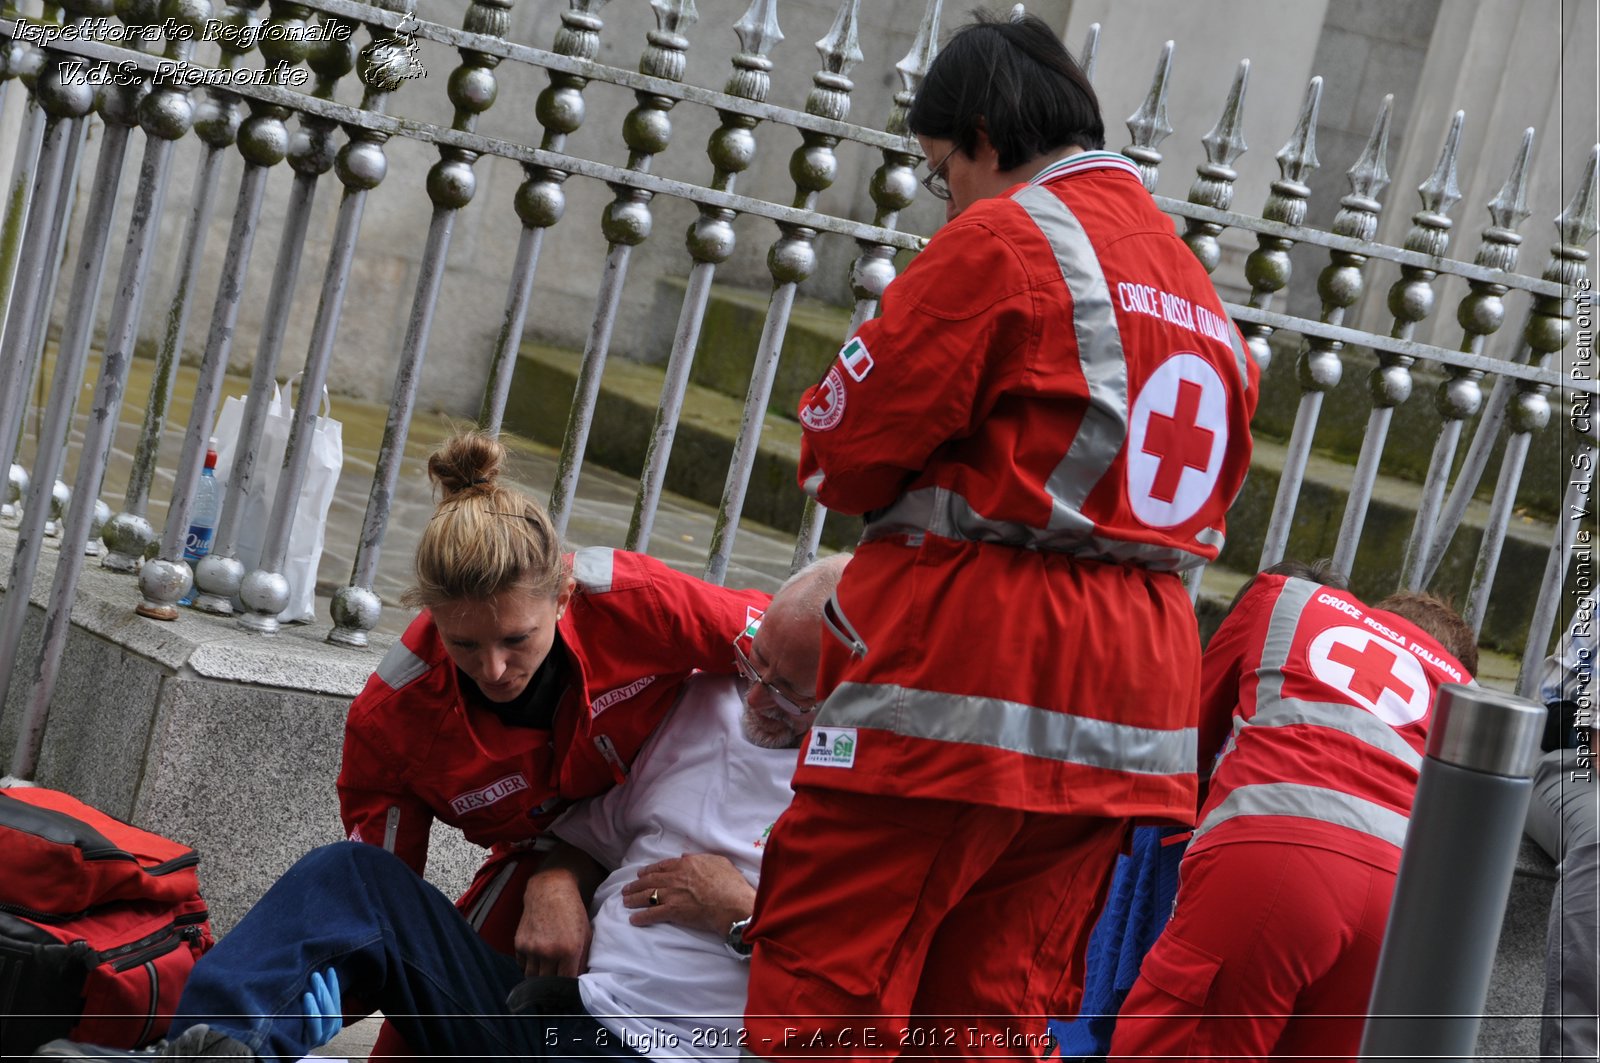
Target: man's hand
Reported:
point(554, 932)
point(699, 890)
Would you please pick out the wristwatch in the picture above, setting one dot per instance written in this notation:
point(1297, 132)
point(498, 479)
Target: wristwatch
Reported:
point(735, 939)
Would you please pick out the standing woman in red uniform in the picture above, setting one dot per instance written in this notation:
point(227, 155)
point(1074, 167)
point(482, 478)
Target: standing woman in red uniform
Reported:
point(1044, 428)
point(530, 679)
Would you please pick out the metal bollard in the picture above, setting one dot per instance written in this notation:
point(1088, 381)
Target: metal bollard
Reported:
point(1455, 876)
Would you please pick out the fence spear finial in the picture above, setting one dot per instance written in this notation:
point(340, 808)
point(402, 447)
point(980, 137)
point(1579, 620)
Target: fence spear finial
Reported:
point(1091, 51)
point(1440, 192)
point(1298, 157)
point(1576, 223)
point(1225, 142)
point(913, 67)
point(1509, 208)
point(840, 48)
point(758, 30)
point(1149, 124)
point(1369, 175)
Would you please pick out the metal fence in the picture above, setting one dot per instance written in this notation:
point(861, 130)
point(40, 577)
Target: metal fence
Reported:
point(270, 88)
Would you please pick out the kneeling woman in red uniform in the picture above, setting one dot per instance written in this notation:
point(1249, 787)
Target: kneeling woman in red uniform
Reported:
point(530, 679)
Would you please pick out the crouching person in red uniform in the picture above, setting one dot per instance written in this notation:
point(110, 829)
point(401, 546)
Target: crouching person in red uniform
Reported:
point(530, 679)
point(1321, 707)
point(1044, 428)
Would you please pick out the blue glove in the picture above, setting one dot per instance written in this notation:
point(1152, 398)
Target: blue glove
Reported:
point(324, 1015)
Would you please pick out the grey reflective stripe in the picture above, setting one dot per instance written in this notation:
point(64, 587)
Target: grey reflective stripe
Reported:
point(400, 666)
point(1280, 634)
point(1240, 356)
point(1209, 537)
point(592, 568)
point(391, 828)
point(940, 511)
point(1309, 802)
point(813, 483)
point(1012, 726)
point(1104, 428)
point(491, 895)
point(1356, 722)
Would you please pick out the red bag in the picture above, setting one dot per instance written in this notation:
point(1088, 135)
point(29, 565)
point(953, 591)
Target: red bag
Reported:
point(100, 924)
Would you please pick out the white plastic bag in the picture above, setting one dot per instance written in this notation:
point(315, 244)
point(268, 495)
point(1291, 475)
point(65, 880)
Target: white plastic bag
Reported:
point(307, 533)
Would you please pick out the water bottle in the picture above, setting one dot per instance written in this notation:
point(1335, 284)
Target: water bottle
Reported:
point(203, 521)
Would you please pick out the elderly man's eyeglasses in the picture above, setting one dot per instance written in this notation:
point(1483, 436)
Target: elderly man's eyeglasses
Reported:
point(790, 703)
point(935, 180)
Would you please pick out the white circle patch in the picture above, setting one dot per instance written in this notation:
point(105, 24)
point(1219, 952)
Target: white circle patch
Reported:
point(827, 404)
point(1378, 674)
point(1176, 436)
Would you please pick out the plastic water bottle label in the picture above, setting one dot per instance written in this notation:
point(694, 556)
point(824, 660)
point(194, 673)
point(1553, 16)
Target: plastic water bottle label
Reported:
point(197, 543)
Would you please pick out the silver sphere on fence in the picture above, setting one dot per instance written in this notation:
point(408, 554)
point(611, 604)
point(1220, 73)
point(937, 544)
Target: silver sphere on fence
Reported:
point(265, 595)
point(163, 583)
point(101, 516)
point(1459, 397)
point(126, 536)
point(355, 612)
point(1530, 411)
point(362, 164)
point(60, 502)
point(217, 580)
point(17, 483)
point(540, 204)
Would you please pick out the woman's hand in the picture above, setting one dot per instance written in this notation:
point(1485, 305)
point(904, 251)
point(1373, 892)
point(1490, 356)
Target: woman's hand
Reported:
point(554, 933)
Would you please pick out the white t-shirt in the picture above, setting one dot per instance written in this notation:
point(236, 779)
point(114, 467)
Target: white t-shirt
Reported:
point(698, 786)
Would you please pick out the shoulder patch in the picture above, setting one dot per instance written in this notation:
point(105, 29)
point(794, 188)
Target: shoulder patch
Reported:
point(400, 666)
point(593, 567)
point(832, 747)
point(856, 359)
point(826, 409)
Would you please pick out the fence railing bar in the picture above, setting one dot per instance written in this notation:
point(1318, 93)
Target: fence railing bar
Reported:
point(1334, 242)
point(71, 360)
point(160, 138)
point(1411, 300)
point(621, 77)
point(791, 261)
point(356, 118)
point(1411, 348)
point(16, 342)
point(711, 240)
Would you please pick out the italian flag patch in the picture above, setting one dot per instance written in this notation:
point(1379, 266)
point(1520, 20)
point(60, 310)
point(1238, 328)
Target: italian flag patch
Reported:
point(856, 359)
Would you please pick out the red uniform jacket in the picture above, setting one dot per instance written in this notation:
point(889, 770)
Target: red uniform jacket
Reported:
point(1047, 423)
point(415, 749)
point(1329, 704)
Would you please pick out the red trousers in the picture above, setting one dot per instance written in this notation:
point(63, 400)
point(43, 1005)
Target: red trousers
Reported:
point(493, 905)
point(892, 926)
point(1270, 953)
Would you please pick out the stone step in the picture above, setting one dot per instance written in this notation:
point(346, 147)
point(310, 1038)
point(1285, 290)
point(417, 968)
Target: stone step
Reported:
point(541, 396)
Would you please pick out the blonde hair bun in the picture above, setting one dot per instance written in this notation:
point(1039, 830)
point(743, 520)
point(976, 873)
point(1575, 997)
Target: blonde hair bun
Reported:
point(469, 461)
point(483, 537)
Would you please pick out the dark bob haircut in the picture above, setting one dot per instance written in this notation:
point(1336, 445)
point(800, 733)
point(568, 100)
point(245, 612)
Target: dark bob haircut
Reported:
point(1015, 81)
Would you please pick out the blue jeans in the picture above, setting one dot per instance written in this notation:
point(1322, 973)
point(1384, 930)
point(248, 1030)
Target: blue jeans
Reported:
point(397, 944)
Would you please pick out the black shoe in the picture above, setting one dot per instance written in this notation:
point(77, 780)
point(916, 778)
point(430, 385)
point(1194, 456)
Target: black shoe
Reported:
point(197, 1042)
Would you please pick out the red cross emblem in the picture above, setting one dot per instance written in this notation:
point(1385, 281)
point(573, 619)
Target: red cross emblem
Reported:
point(1177, 436)
point(1372, 670)
point(827, 403)
point(1178, 442)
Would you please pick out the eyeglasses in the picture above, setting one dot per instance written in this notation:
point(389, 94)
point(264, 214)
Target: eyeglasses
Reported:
point(741, 657)
point(935, 181)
